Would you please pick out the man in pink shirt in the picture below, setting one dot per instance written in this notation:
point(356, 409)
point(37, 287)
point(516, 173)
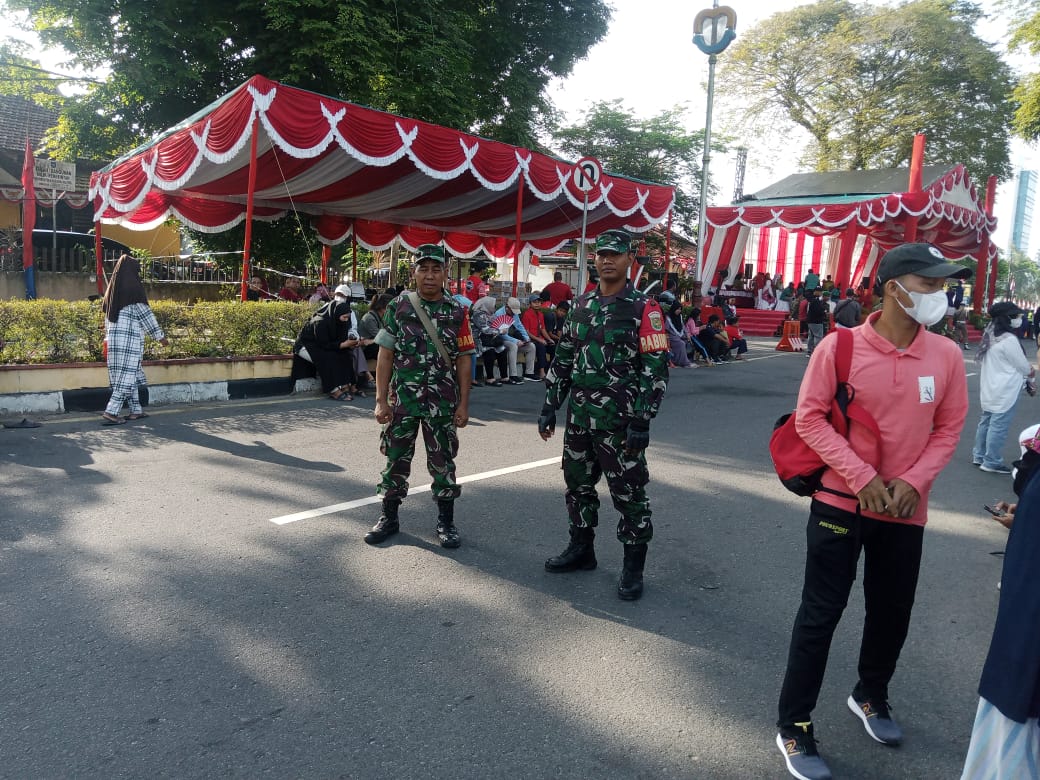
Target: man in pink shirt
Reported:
point(913, 384)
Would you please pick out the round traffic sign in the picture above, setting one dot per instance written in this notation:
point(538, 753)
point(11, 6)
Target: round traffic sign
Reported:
point(587, 172)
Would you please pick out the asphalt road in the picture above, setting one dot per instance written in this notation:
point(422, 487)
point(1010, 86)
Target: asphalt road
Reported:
point(157, 623)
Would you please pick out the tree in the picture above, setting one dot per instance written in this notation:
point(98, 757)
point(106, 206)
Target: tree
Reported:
point(472, 64)
point(1026, 275)
point(658, 149)
point(1025, 35)
point(862, 79)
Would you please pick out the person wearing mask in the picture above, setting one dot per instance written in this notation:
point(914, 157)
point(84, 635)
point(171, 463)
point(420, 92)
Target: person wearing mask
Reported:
point(874, 494)
point(1004, 368)
point(127, 319)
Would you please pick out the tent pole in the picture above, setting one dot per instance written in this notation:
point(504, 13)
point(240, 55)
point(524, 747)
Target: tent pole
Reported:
point(99, 264)
point(249, 204)
point(29, 221)
point(519, 219)
point(916, 164)
point(978, 288)
point(326, 252)
point(353, 247)
point(848, 243)
point(668, 252)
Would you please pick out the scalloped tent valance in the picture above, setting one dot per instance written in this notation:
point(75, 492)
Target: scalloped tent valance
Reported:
point(356, 170)
point(778, 234)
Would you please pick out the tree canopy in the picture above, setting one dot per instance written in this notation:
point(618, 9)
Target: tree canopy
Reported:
point(862, 79)
point(479, 65)
point(658, 149)
point(1026, 36)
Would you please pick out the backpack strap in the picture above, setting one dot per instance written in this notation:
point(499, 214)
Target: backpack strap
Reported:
point(843, 355)
point(424, 318)
point(844, 400)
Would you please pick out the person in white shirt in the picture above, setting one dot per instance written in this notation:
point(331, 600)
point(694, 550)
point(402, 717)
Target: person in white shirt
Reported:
point(1004, 370)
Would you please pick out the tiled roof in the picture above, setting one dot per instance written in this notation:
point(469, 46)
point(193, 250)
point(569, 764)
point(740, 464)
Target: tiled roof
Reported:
point(19, 117)
point(847, 183)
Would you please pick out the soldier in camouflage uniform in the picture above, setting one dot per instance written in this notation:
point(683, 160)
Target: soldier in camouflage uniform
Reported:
point(613, 361)
point(416, 388)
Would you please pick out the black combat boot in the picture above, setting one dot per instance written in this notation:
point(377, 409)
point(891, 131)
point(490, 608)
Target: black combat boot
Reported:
point(578, 555)
point(387, 525)
point(630, 586)
point(446, 530)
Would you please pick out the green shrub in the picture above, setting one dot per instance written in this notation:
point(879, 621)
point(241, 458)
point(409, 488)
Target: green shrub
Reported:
point(48, 331)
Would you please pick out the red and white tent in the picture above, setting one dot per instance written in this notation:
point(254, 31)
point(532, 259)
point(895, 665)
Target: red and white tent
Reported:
point(358, 171)
point(841, 223)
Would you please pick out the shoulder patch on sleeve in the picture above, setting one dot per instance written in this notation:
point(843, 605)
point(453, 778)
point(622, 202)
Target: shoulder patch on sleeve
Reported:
point(465, 337)
point(652, 337)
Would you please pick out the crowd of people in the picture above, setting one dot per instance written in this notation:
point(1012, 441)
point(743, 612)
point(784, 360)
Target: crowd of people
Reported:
point(604, 358)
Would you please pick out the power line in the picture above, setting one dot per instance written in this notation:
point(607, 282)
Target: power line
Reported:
point(50, 73)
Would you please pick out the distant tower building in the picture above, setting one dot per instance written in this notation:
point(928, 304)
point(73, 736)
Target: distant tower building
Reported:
point(1024, 196)
point(738, 179)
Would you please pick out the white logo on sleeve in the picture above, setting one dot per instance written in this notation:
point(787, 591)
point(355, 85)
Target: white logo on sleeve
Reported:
point(926, 389)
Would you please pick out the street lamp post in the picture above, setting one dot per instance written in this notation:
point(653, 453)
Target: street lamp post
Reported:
point(713, 30)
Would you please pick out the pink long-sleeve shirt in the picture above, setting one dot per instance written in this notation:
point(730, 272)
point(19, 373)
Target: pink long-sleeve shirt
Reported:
point(917, 396)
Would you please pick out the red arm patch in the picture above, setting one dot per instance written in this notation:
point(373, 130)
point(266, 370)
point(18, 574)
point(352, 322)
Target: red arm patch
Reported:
point(465, 337)
point(652, 337)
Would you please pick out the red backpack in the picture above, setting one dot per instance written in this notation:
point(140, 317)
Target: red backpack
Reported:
point(799, 467)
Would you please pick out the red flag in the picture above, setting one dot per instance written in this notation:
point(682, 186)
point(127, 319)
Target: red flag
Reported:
point(28, 206)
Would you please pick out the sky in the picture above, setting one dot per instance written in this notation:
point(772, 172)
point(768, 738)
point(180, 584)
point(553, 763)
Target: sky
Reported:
point(648, 60)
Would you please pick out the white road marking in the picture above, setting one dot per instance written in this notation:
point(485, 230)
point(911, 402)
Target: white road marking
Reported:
point(328, 510)
point(973, 373)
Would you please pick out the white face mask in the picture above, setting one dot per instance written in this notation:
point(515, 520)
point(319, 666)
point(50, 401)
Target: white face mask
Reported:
point(1016, 323)
point(928, 308)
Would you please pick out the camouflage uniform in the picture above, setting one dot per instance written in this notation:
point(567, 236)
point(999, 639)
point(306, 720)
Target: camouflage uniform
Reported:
point(613, 361)
point(423, 393)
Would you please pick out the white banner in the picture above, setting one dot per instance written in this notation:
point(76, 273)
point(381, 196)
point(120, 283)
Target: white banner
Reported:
point(54, 175)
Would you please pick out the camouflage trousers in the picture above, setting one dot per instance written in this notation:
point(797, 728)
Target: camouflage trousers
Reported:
point(397, 443)
point(588, 454)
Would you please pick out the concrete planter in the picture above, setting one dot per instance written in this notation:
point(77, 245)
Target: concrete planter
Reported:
point(53, 389)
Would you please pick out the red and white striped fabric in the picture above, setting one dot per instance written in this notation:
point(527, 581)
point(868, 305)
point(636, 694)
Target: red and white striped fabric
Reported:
point(949, 212)
point(357, 170)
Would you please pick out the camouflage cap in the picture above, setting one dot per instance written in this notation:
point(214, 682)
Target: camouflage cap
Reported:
point(614, 241)
point(430, 252)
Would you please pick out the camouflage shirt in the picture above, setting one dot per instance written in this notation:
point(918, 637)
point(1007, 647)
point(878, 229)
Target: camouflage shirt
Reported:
point(612, 359)
point(421, 382)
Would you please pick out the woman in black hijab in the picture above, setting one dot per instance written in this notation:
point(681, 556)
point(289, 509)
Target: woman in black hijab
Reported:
point(323, 347)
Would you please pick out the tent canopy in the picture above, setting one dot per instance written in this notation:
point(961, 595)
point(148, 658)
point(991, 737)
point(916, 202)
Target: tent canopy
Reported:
point(354, 169)
point(870, 211)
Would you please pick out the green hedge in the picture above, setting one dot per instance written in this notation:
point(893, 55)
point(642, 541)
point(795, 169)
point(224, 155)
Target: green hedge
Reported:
point(48, 331)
